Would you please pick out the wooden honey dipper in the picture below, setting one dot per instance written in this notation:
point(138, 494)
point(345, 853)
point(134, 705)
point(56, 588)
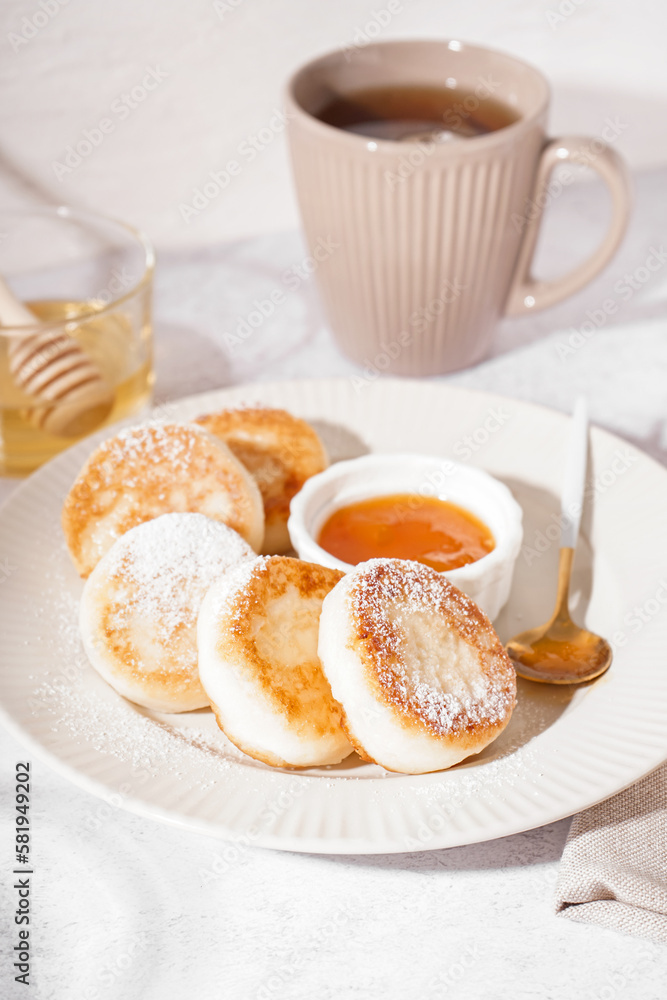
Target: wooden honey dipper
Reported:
point(52, 367)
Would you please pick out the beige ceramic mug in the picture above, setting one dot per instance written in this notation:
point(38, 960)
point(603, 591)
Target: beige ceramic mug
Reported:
point(429, 243)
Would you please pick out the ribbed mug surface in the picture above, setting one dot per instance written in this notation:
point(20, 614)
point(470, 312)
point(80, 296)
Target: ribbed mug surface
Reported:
point(415, 242)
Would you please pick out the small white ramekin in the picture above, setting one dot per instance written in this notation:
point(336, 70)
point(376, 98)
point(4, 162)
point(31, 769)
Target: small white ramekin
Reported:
point(487, 581)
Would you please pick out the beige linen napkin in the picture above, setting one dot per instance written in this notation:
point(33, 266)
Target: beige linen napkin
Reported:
point(614, 866)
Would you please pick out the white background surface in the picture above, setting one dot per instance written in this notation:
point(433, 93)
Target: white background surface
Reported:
point(224, 77)
point(124, 907)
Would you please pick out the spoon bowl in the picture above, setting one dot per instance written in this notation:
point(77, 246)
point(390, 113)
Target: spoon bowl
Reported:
point(560, 652)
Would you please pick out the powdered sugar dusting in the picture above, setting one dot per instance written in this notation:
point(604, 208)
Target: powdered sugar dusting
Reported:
point(148, 745)
point(397, 607)
point(164, 568)
point(154, 443)
point(79, 706)
point(82, 706)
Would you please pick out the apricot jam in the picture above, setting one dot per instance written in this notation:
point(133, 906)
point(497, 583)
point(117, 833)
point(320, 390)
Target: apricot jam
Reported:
point(406, 526)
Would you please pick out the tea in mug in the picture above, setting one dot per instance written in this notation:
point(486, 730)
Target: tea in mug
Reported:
point(416, 112)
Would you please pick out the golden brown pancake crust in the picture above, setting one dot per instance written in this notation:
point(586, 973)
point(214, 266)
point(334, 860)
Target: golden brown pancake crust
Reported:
point(132, 478)
point(281, 452)
point(377, 637)
point(300, 691)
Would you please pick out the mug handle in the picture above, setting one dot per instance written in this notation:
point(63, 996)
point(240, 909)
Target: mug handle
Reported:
point(527, 293)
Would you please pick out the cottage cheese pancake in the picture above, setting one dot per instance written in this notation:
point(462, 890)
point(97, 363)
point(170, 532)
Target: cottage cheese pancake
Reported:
point(258, 662)
point(140, 604)
point(280, 451)
point(421, 675)
point(151, 470)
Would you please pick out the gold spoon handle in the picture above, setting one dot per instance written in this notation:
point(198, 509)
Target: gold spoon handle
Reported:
point(565, 559)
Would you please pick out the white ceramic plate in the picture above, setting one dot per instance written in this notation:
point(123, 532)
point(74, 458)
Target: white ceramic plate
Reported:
point(564, 749)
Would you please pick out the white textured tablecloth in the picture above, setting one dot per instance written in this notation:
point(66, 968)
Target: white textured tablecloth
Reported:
point(126, 907)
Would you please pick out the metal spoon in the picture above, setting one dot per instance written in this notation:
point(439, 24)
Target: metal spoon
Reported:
point(561, 652)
